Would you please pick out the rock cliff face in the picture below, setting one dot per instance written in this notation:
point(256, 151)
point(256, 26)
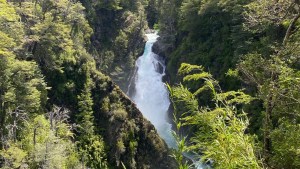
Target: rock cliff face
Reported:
point(131, 139)
point(118, 36)
point(162, 49)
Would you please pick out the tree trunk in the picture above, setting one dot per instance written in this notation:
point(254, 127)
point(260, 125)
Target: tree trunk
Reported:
point(268, 125)
point(34, 136)
point(290, 28)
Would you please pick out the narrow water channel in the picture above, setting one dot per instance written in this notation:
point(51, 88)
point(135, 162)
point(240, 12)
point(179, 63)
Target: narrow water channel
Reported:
point(150, 94)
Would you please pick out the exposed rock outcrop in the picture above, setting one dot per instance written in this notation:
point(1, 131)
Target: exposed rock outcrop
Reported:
point(159, 48)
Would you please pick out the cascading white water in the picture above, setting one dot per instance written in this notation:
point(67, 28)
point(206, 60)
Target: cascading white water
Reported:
point(151, 95)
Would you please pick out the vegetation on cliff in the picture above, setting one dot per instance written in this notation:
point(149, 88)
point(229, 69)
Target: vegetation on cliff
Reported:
point(57, 110)
point(248, 45)
point(119, 27)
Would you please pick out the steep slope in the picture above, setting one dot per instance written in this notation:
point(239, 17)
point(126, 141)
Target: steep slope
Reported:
point(118, 37)
point(131, 138)
point(45, 64)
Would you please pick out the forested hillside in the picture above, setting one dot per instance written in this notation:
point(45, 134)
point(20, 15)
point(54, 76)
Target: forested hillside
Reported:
point(119, 27)
point(57, 110)
point(250, 46)
point(232, 73)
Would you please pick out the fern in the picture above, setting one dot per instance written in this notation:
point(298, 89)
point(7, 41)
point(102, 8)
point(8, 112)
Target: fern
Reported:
point(186, 68)
point(219, 131)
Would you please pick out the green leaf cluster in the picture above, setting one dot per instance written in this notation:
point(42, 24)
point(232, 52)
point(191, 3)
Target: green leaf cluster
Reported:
point(219, 132)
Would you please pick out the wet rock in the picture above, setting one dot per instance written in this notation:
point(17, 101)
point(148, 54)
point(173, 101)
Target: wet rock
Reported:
point(159, 68)
point(148, 31)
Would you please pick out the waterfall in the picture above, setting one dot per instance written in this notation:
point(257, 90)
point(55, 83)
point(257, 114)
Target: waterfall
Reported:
point(150, 94)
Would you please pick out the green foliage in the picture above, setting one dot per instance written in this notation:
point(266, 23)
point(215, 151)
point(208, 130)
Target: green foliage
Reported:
point(220, 131)
point(40, 147)
point(22, 86)
point(168, 18)
point(85, 115)
point(120, 114)
point(14, 157)
point(184, 99)
point(49, 52)
point(117, 44)
point(10, 25)
point(25, 86)
point(48, 56)
point(263, 13)
point(44, 39)
point(91, 146)
point(277, 85)
point(286, 145)
point(156, 27)
point(180, 149)
point(92, 152)
point(7, 13)
point(262, 38)
point(188, 68)
point(207, 32)
point(111, 5)
point(152, 13)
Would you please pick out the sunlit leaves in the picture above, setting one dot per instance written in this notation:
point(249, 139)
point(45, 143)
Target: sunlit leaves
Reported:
point(219, 131)
point(286, 145)
point(14, 156)
point(48, 37)
point(234, 97)
point(181, 148)
point(10, 27)
point(24, 87)
point(6, 44)
point(7, 12)
point(184, 100)
point(45, 148)
point(92, 152)
point(262, 13)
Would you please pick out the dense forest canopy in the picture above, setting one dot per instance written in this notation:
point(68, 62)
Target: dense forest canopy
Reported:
point(57, 110)
point(247, 45)
point(59, 107)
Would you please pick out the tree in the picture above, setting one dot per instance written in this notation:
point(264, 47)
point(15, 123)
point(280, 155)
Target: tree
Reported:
point(263, 13)
point(168, 17)
point(13, 157)
point(91, 146)
point(275, 74)
point(22, 87)
point(39, 146)
point(286, 145)
point(219, 131)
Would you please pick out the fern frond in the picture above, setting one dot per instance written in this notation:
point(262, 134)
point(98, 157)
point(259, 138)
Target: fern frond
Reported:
point(181, 94)
point(186, 68)
point(197, 76)
point(235, 97)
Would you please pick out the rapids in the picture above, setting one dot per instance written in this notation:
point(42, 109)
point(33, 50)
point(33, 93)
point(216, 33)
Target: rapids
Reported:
point(150, 94)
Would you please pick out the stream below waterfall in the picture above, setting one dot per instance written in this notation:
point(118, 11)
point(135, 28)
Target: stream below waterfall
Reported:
point(150, 94)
